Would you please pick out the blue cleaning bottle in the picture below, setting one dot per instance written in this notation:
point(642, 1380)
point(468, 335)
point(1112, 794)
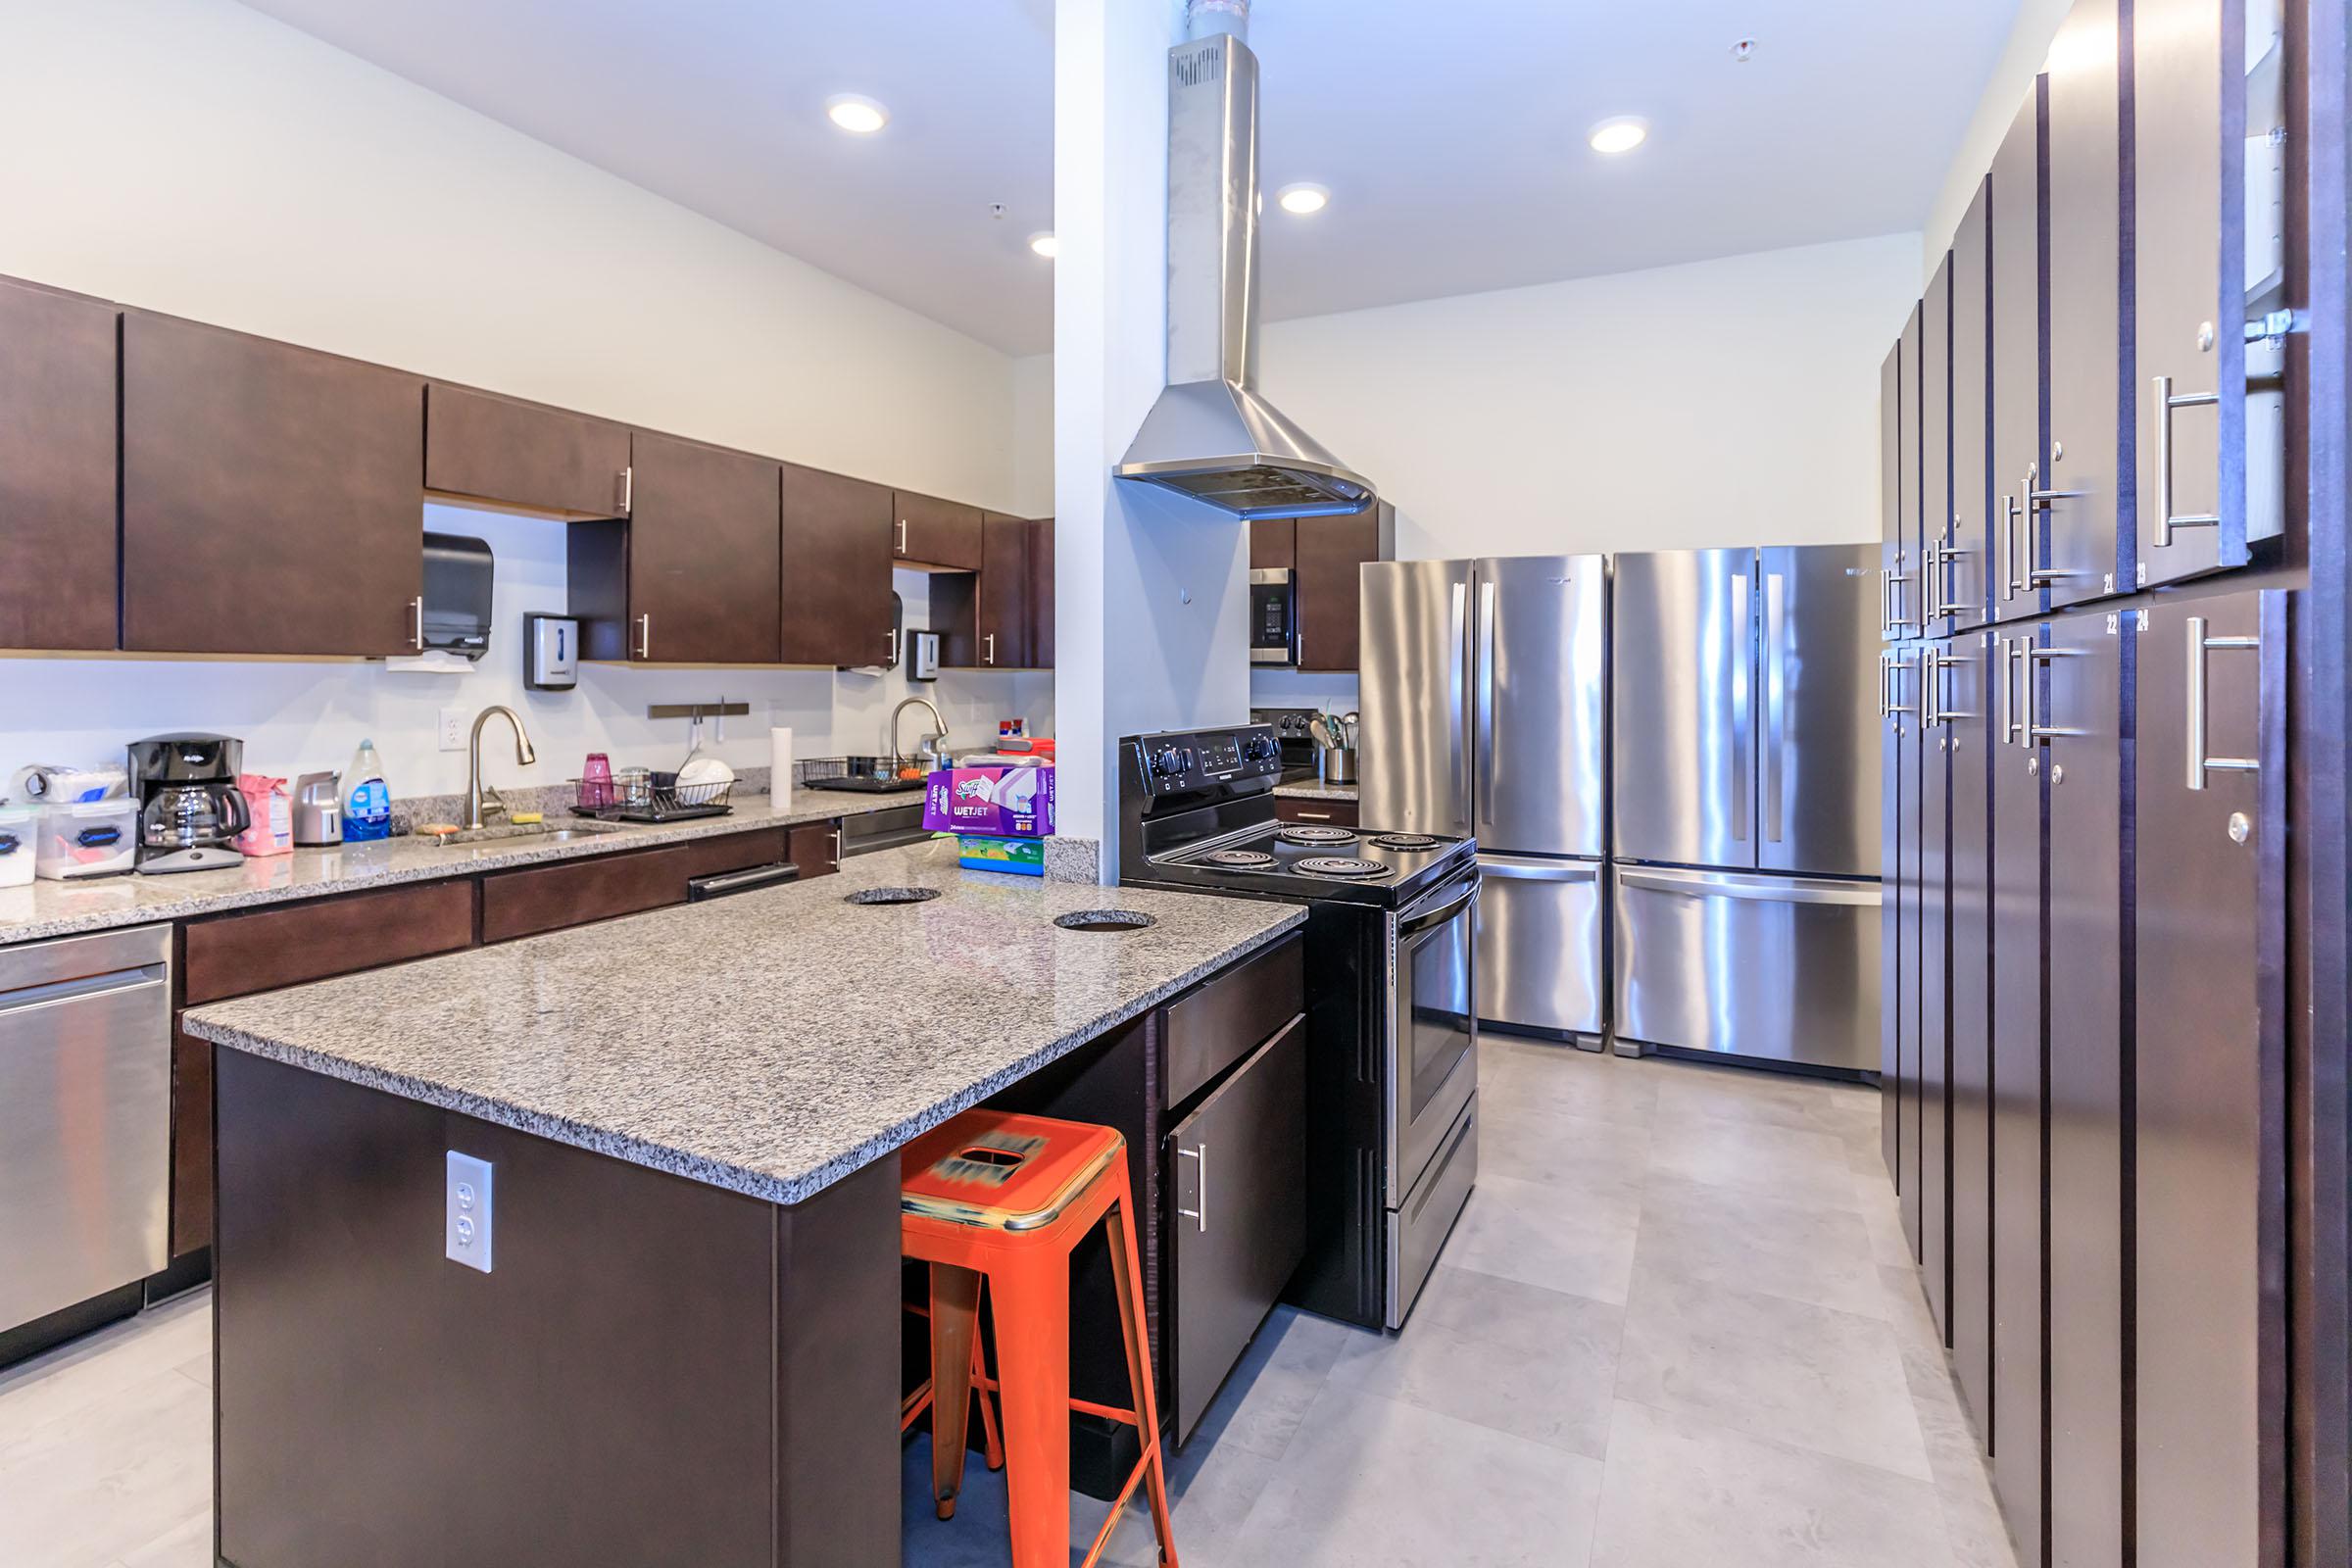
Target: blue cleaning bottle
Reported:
point(367, 798)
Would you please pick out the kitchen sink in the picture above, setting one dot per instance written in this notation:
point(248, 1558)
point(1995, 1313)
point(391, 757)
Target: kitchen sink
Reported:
point(536, 832)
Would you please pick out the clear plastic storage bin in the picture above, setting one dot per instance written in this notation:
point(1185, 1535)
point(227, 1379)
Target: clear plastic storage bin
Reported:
point(86, 838)
point(18, 827)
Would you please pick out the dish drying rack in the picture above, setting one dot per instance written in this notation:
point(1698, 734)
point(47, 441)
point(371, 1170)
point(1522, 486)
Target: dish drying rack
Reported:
point(876, 775)
point(641, 795)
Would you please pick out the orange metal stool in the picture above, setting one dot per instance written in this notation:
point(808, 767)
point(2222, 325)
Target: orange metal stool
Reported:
point(1004, 1197)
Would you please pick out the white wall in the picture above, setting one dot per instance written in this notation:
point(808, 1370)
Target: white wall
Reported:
point(192, 155)
point(2021, 60)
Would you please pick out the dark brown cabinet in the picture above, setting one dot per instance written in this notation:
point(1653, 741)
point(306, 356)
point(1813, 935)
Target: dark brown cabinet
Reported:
point(814, 848)
point(1936, 449)
point(690, 578)
point(836, 557)
point(1964, 732)
point(2208, 1081)
point(2082, 718)
point(1273, 544)
point(479, 446)
point(1331, 555)
point(2018, 369)
point(1892, 466)
point(1934, 1165)
point(550, 898)
point(1238, 1166)
point(1911, 582)
point(1000, 596)
point(191, 1143)
point(933, 532)
point(271, 497)
point(1960, 575)
point(1041, 593)
point(1906, 697)
point(2013, 1425)
point(58, 551)
point(2076, 495)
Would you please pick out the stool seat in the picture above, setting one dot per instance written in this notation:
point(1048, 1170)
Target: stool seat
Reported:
point(995, 1199)
point(1003, 1171)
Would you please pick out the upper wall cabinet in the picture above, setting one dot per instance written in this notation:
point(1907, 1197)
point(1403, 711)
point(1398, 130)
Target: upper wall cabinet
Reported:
point(1331, 557)
point(1935, 451)
point(691, 576)
point(932, 533)
point(2201, 195)
point(1002, 593)
point(1911, 584)
point(835, 559)
point(2018, 368)
point(1962, 569)
point(2079, 493)
point(1041, 593)
point(1273, 544)
point(58, 552)
point(1890, 506)
point(270, 497)
point(481, 447)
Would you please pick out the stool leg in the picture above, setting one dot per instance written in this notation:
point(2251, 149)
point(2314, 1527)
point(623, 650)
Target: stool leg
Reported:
point(1033, 1385)
point(955, 1310)
point(993, 1449)
point(1130, 1280)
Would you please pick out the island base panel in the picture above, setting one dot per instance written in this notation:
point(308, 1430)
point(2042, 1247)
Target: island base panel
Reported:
point(655, 1370)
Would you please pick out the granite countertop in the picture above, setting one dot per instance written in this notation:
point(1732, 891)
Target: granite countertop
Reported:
point(1310, 789)
point(64, 908)
point(770, 1043)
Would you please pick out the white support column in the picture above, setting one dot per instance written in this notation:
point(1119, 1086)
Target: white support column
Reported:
point(1150, 590)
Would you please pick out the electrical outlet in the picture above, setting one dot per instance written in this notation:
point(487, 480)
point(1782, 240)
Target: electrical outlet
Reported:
point(453, 728)
point(465, 1211)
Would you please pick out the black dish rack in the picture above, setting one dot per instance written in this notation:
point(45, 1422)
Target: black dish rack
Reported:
point(640, 795)
point(858, 775)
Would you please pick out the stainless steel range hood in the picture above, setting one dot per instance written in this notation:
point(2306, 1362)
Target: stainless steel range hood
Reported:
point(1212, 435)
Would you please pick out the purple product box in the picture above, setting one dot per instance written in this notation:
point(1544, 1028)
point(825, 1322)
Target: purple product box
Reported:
point(999, 802)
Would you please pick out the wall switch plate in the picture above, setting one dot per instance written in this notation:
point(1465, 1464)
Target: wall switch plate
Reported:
point(453, 728)
point(465, 1211)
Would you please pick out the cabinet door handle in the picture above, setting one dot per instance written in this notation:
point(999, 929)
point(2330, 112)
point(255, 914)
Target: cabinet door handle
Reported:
point(2011, 583)
point(2166, 520)
point(1199, 1213)
point(2199, 765)
point(1312, 816)
point(417, 623)
point(837, 847)
point(893, 635)
point(2039, 501)
point(1897, 664)
point(901, 536)
point(624, 489)
point(992, 648)
point(645, 635)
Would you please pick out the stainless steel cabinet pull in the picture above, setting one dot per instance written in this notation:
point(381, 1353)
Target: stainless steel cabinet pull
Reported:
point(1945, 554)
point(893, 635)
point(2015, 701)
point(901, 536)
point(1742, 639)
point(992, 648)
point(1896, 663)
point(645, 635)
point(837, 846)
point(2166, 520)
point(624, 490)
point(417, 623)
point(1895, 619)
point(2011, 583)
point(1313, 817)
point(1199, 1213)
point(2199, 765)
point(1883, 673)
point(1937, 712)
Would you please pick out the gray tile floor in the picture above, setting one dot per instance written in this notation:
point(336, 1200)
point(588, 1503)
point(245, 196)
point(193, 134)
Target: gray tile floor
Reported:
point(1676, 1325)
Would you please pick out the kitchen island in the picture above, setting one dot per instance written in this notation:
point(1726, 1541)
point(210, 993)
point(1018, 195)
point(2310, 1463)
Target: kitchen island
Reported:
point(687, 1346)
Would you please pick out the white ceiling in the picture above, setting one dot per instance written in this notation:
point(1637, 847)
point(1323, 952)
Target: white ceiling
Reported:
point(1451, 133)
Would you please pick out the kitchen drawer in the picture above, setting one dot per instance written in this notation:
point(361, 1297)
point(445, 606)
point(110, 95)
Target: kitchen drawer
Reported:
point(549, 897)
point(235, 954)
point(1335, 813)
point(817, 847)
point(1210, 1029)
point(479, 446)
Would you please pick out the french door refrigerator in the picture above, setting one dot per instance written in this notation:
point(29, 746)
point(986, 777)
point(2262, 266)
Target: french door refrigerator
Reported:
point(1746, 821)
point(1483, 693)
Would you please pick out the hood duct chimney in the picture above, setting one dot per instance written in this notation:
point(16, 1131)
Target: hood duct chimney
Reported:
point(1210, 435)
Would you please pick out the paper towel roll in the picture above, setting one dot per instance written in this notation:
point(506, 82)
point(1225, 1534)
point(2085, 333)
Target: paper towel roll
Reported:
point(779, 764)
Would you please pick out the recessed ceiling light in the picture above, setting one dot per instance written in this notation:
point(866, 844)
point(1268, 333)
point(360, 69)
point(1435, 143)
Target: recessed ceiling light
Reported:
point(1043, 243)
point(1302, 198)
point(1619, 136)
point(857, 115)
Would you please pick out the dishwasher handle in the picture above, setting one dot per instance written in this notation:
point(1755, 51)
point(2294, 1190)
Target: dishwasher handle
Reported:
point(26, 997)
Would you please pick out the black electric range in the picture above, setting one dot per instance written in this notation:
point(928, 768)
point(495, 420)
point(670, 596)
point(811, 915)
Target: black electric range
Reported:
point(1392, 1117)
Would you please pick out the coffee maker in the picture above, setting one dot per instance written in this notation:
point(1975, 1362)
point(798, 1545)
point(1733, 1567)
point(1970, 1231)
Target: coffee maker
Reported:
point(190, 810)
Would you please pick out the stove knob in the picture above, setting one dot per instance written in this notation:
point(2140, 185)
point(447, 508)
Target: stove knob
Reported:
point(1169, 760)
point(1259, 748)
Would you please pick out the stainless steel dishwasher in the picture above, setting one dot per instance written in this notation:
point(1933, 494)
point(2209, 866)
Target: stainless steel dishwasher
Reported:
point(86, 1117)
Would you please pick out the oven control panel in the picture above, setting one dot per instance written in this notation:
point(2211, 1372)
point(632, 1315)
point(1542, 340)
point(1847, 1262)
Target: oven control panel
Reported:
point(1205, 759)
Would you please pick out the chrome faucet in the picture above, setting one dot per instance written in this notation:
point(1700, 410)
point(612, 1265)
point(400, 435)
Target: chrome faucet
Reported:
point(480, 798)
point(939, 733)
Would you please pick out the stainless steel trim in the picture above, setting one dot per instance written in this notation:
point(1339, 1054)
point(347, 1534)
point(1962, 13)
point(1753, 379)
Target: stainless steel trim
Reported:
point(893, 635)
point(1482, 783)
point(2011, 583)
point(1898, 662)
point(1459, 699)
point(1897, 620)
point(645, 635)
point(1412, 1250)
point(1776, 718)
point(1739, 885)
point(1743, 762)
point(991, 655)
point(1304, 815)
point(417, 623)
point(624, 489)
point(2199, 765)
point(2165, 521)
point(901, 536)
point(1527, 868)
point(2013, 716)
point(1197, 1216)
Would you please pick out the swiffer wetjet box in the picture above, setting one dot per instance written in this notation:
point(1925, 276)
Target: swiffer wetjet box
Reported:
point(997, 802)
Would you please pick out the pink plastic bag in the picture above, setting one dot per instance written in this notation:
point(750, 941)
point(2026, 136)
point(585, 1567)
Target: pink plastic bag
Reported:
point(272, 812)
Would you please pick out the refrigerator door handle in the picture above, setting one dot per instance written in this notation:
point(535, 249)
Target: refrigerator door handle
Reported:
point(1525, 869)
point(1731, 885)
point(1483, 785)
point(1742, 642)
point(1458, 693)
point(1776, 701)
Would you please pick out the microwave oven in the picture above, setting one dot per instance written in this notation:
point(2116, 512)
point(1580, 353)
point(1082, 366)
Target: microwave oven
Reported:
point(1273, 617)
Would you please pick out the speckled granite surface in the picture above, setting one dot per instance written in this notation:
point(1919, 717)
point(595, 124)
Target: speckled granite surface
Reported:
point(64, 908)
point(1308, 791)
point(771, 1043)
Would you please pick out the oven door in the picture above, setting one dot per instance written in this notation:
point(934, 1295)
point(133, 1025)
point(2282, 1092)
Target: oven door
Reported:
point(1432, 1027)
point(1273, 617)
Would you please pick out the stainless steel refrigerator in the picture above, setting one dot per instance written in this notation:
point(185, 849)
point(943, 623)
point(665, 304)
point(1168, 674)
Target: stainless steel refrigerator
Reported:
point(1745, 834)
point(1485, 714)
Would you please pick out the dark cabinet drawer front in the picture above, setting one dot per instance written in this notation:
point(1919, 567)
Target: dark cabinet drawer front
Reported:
point(191, 1143)
point(239, 954)
point(495, 449)
point(1239, 1218)
point(1336, 814)
point(1211, 1028)
point(548, 898)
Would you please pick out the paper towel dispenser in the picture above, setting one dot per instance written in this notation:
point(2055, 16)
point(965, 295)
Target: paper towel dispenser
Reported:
point(459, 570)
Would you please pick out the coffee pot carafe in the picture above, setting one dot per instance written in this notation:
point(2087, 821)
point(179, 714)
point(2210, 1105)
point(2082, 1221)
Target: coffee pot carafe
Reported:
point(190, 809)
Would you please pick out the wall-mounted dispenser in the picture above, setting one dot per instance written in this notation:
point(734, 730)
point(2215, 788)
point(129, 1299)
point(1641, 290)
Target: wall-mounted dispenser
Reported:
point(551, 653)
